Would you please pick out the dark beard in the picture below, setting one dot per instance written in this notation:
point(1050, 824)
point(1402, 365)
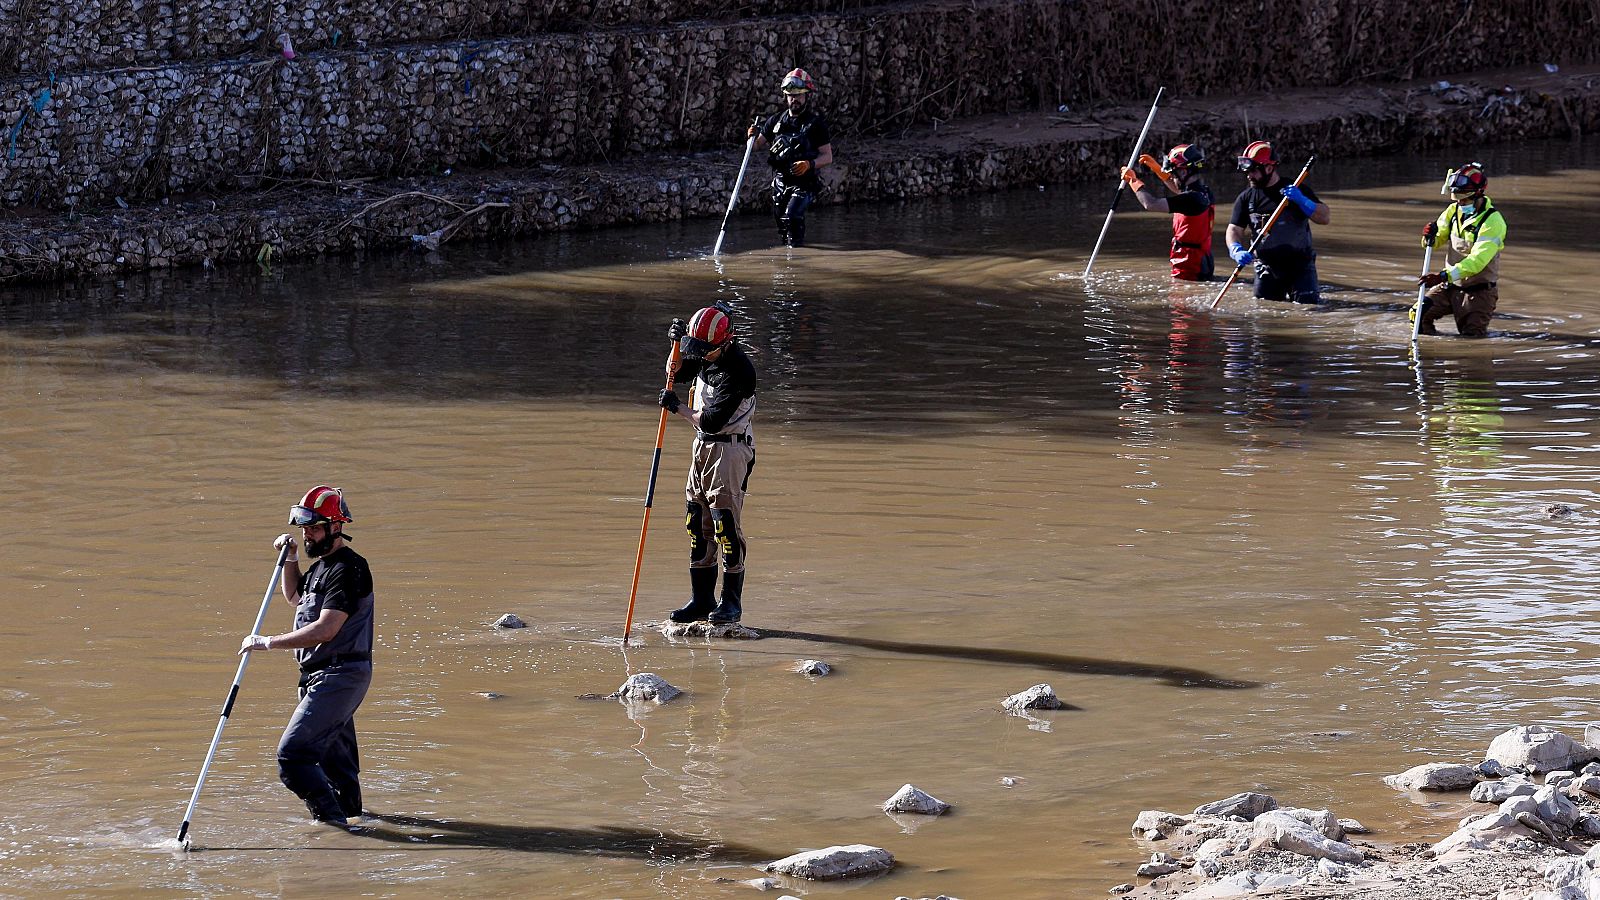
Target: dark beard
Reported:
point(320, 548)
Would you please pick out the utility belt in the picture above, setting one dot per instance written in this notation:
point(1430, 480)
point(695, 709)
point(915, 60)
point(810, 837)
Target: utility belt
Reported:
point(1475, 288)
point(743, 438)
point(334, 660)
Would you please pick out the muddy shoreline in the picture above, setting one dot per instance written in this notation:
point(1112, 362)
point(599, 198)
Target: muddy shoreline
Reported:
point(285, 219)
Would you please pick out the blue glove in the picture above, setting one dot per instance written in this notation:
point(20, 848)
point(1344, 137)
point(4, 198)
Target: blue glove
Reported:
point(1306, 204)
point(1241, 256)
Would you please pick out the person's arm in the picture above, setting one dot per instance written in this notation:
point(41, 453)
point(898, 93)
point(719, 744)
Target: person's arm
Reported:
point(824, 156)
point(1491, 239)
point(1142, 192)
point(1306, 199)
point(289, 581)
point(1436, 234)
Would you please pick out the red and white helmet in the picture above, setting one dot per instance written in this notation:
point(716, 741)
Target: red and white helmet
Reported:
point(1184, 156)
point(320, 504)
point(709, 329)
point(797, 82)
point(1467, 181)
point(1259, 153)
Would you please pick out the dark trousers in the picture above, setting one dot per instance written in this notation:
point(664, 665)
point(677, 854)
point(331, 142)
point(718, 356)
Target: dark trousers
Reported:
point(1472, 308)
point(789, 205)
point(1288, 280)
point(317, 756)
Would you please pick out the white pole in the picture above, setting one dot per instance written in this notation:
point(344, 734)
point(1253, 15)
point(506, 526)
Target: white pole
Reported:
point(1122, 185)
point(1422, 295)
point(233, 693)
point(749, 146)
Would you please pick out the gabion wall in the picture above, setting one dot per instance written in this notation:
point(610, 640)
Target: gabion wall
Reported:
point(424, 213)
point(600, 94)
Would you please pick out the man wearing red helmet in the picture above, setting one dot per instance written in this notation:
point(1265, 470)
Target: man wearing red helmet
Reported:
point(332, 641)
point(1193, 211)
point(800, 145)
point(1286, 263)
point(724, 382)
point(1472, 232)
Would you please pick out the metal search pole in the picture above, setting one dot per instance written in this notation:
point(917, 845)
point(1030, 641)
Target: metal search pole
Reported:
point(749, 147)
point(1422, 296)
point(649, 496)
point(233, 694)
point(1262, 234)
point(1123, 185)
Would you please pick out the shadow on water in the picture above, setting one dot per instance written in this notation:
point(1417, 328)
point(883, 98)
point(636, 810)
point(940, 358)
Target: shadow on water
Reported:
point(604, 840)
point(1175, 676)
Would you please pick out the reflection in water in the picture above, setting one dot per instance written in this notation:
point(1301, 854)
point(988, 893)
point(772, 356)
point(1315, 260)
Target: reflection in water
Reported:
point(1078, 665)
point(604, 840)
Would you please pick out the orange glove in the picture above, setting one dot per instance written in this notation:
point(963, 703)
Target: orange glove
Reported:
point(801, 167)
point(750, 132)
point(1132, 179)
point(1149, 162)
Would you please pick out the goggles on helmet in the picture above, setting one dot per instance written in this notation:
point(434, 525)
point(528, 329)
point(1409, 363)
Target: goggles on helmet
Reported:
point(1248, 165)
point(301, 517)
point(694, 348)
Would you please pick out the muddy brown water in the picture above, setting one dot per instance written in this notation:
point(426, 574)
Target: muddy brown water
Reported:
point(961, 450)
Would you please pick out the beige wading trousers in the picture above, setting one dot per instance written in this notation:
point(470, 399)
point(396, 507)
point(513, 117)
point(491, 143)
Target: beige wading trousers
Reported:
point(717, 481)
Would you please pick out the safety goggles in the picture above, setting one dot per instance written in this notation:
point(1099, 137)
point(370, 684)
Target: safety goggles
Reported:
point(694, 348)
point(300, 516)
point(1250, 166)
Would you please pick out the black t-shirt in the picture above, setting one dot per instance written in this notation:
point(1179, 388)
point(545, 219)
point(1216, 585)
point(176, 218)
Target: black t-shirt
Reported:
point(791, 138)
point(341, 581)
point(729, 382)
point(1291, 236)
point(1192, 202)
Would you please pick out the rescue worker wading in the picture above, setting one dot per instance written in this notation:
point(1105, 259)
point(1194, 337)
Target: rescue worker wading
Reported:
point(724, 383)
point(799, 144)
point(1472, 232)
point(332, 639)
point(1286, 263)
point(1191, 205)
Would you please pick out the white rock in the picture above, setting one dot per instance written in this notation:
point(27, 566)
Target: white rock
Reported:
point(1588, 826)
point(510, 620)
point(1159, 864)
point(1589, 784)
point(814, 667)
point(1558, 777)
point(1213, 849)
point(831, 863)
point(1433, 777)
point(1558, 873)
point(1247, 806)
point(1555, 808)
point(1286, 832)
point(1354, 826)
point(911, 800)
point(1321, 819)
point(646, 687)
point(1538, 748)
point(1520, 804)
point(1153, 823)
point(1040, 696)
point(1501, 791)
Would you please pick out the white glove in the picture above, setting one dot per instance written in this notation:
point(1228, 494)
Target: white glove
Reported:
point(294, 551)
point(255, 642)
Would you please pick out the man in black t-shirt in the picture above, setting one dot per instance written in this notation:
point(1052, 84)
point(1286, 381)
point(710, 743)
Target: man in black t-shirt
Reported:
point(799, 145)
point(721, 406)
point(1285, 261)
point(332, 641)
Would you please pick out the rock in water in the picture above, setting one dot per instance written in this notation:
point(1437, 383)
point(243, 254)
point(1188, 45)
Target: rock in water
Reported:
point(1434, 777)
point(1246, 806)
point(912, 800)
point(1538, 749)
point(510, 620)
point(646, 687)
point(814, 667)
point(1040, 696)
point(832, 863)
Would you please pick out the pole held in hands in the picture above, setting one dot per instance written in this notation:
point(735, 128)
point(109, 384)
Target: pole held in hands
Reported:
point(749, 147)
point(650, 489)
point(233, 693)
point(1123, 185)
point(1262, 234)
point(1422, 295)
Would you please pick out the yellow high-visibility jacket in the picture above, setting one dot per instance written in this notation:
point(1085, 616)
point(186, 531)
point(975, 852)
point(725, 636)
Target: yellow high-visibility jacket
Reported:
point(1473, 244)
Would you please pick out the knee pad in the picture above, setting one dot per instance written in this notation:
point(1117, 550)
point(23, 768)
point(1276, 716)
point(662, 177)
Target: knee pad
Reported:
point(728, 539)
point(694, 523)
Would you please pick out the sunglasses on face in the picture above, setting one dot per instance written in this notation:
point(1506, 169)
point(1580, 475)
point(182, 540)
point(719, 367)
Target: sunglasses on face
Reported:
point(1251, 167)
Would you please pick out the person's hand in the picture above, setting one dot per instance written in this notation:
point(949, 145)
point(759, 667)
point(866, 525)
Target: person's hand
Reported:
point(255, 642)
point(668, 401)
point(800, 167)
point(1294, 195)
point(287, 540)
point(1149, 162)
point(1430, 232)
point(1432, 279)
point(677, 330)
point(1241, 256)
point(1132, 179)
point(751, 131)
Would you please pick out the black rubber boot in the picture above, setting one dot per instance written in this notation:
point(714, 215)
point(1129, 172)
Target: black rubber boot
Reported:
point(326, 809)
point(703, 583)
point(729, 609)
